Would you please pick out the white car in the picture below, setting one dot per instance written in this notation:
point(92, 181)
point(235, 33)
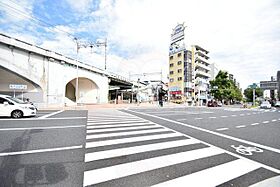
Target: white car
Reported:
point(15, 108)
point(265, 104)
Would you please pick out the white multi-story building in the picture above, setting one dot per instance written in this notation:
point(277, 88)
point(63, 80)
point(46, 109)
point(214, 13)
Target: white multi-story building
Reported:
point(201, 67)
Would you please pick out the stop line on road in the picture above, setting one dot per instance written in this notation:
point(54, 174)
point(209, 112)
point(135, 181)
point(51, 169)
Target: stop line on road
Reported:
point(125, 152)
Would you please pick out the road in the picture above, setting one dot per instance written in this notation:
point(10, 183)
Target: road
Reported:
point(43, 151)
point(182, 147)
point(142, 147)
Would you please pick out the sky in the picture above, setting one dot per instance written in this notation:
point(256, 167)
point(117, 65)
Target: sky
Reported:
point(243, 36)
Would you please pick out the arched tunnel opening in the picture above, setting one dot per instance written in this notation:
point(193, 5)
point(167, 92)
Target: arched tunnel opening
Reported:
point(88, 92)
point(18, 86)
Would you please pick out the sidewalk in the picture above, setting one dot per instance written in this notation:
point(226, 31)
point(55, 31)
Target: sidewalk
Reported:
point(111, 106)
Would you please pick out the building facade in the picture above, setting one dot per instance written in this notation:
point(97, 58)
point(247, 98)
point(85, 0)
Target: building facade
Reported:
point(181, 85)
point(201, 65)
point(189, 70)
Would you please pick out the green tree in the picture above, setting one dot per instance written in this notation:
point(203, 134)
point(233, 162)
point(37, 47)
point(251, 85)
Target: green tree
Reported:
point(248, 93)
point(224, 89)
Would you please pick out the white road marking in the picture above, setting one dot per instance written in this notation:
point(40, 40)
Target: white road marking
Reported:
point(198, 118)
point(240, 126)
point(242, 114)
point(48, 127)
point(205, 177)
point(125, 133)
point(90, 124)
point(122, 170)
point(222, 129)
point(51, 114)
point(265, 122)
point(112, 120)
point(137, 149)
point(233, 115)
point(40, 150)
point(213, 117)
point(182, 119)
point(129, 140)
point(224, 116)
point(273, 120)
point(253, 124)
point(30, 119)
point(119, 125)
point(120, 128)
point(115, 122)
point(224, 136)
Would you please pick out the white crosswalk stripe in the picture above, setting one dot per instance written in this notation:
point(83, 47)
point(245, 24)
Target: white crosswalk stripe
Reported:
point(120, 149)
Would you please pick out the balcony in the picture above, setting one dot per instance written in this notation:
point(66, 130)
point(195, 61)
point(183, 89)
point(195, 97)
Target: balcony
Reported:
point(202, 66)
point(201, 60)
point(203, 74)
point(199, 53)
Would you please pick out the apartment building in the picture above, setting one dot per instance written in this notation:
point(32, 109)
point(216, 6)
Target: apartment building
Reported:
point(201, 65)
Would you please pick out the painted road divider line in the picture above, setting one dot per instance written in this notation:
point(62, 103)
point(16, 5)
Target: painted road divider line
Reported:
point(265, 122)
point(51, 114)
point(273, 120)
point(253, 124)
point(224, 116)
point(41, 150)
point(222, 129)
point(49, 127)
point(240, 126)
point(198, 118)
point(127, 169)
point(205, 177)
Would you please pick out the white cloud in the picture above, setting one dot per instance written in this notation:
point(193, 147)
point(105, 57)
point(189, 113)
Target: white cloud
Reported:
point(16, 11)
point(81, 6)
point(242, 36)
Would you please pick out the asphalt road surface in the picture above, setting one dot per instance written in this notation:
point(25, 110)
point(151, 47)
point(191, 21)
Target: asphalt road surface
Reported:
point(44, 151)
point(183, 147)
point(142, 147)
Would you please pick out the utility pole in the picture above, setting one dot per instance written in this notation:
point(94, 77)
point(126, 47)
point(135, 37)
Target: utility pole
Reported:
point(98, 44)
point(85, 44)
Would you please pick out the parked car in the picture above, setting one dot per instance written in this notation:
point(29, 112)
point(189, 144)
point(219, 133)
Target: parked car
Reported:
point(15, 108)
point(265, 104)
point(277, 104)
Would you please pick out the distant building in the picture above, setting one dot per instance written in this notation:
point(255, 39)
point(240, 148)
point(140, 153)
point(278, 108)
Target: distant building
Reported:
point(214, 71)
point(273, 86)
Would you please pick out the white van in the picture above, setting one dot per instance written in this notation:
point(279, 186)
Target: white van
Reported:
point(15, 108)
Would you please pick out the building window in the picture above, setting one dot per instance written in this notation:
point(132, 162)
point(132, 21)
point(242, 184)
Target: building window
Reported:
point(179, 54)
point(171, 72)
point(179, 62)
point(179, 71)
point(171, 65)
point(179, 78)
point(171, 57)
point(171, 80)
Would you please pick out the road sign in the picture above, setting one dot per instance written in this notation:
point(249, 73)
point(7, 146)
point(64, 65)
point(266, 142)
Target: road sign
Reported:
point(18, 87)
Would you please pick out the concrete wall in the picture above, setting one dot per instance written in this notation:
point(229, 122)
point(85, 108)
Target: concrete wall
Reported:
point(47, 75)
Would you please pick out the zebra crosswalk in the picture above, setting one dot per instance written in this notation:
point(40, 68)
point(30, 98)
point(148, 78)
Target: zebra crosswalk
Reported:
point(125, 150)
